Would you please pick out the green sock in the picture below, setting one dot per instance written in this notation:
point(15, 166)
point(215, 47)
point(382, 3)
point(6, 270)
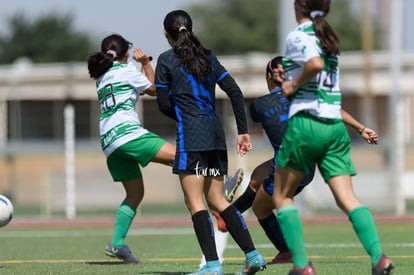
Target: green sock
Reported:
point(124, 217)
point(365, 228)
point(291, 226)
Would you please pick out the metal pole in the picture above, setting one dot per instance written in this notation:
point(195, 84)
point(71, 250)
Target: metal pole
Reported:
point(69, 114)
point(3, 124)
point(367, 41)
point(396, 122)
point(287, 22)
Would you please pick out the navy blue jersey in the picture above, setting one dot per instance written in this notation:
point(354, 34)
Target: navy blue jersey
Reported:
point(272, 111)
point(198, 126)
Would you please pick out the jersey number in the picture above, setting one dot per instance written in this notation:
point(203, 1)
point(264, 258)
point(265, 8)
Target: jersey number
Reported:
point(327, 77)
point(107, 97)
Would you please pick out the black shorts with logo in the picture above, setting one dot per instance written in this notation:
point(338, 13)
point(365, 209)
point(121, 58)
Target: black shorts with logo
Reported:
point(203, 163)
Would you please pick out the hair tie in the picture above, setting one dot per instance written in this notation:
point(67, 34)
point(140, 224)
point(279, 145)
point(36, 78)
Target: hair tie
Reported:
point(182, 28)
point(316, 13)
point(111, 52)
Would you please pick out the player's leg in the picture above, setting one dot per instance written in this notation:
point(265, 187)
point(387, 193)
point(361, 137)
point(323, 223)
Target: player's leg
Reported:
point(263, 207)
point(245, 201)
point(193, 189)
point(257, 178)
point(231, 185)
point(295, 156)
point(286, 182)
point(124, 168)
point(362, 222)
point(237, 226)
point(221, 243)
point(125, 214)
point(165, 155)
point(336, 168)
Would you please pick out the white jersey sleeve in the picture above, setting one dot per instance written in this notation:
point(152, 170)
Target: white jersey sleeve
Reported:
point(137, 79)
point(300, 48)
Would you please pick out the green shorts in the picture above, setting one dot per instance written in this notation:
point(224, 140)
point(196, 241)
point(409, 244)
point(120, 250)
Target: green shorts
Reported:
point(124, 162)
point(322, 141)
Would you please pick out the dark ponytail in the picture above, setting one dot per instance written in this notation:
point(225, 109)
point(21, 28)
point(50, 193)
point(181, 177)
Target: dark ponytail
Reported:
point(316, 10)
point(186, 46)
point(113, 47)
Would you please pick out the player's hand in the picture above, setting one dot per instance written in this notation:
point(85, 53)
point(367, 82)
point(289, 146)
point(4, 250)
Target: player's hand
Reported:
point(278, 74)
point(139, 55)
point(287, 88)
point(369, 135)
point(243, 144)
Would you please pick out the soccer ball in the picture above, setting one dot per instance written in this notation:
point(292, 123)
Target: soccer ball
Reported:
point(6, 211)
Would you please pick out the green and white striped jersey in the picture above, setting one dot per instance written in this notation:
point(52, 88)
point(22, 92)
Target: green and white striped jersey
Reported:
point(321, 96)
point(118, 91)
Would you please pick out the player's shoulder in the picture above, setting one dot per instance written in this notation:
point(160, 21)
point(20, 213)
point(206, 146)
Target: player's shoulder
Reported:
point(167, 57)
point(213, 59)
point(272, 97)
point(130, 69)
point(297, 37)
point(269, 101)
point(168, 52)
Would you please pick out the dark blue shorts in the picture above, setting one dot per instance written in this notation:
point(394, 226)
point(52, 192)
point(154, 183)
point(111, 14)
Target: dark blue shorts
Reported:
point(203, 163)
point(269, 182)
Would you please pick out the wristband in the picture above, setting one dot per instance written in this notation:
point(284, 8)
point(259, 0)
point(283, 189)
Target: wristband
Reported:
point(362, 130)
point(148, 60)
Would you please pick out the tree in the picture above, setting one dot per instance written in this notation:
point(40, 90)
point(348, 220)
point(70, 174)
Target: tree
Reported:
point(50, 38)
point(236, 26)
point(347, 23)
point(239, 26)
point(341, 18)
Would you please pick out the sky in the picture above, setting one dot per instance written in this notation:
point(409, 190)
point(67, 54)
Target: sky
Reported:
point(139, 21)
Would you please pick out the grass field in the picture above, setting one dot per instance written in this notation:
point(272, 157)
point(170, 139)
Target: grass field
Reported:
point(333, 248)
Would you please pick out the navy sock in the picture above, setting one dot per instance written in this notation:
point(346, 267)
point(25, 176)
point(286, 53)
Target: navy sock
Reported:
point(272, 229)
point(245, 201)
point(204, 230)
point(237, 227)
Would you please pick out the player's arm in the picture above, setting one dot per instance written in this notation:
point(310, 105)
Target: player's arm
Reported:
point(230, 87)
point(368, 134)
point(312, 67)
point(165, 101)
point(300, 50)
point(165, 104)
point(146, 69)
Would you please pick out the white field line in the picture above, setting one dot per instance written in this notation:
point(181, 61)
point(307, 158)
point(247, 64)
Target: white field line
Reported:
point(158, 232)
point(333, 245)
point(92, 232)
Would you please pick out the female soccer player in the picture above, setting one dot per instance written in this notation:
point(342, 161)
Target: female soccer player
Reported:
point(125, 142)
point(185, 77)
point(316, 133)
point(272, 111)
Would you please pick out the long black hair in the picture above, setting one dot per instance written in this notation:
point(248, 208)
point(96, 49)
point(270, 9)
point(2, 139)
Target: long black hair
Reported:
point(113, 47)
point(327, 36)
point(186, 46)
